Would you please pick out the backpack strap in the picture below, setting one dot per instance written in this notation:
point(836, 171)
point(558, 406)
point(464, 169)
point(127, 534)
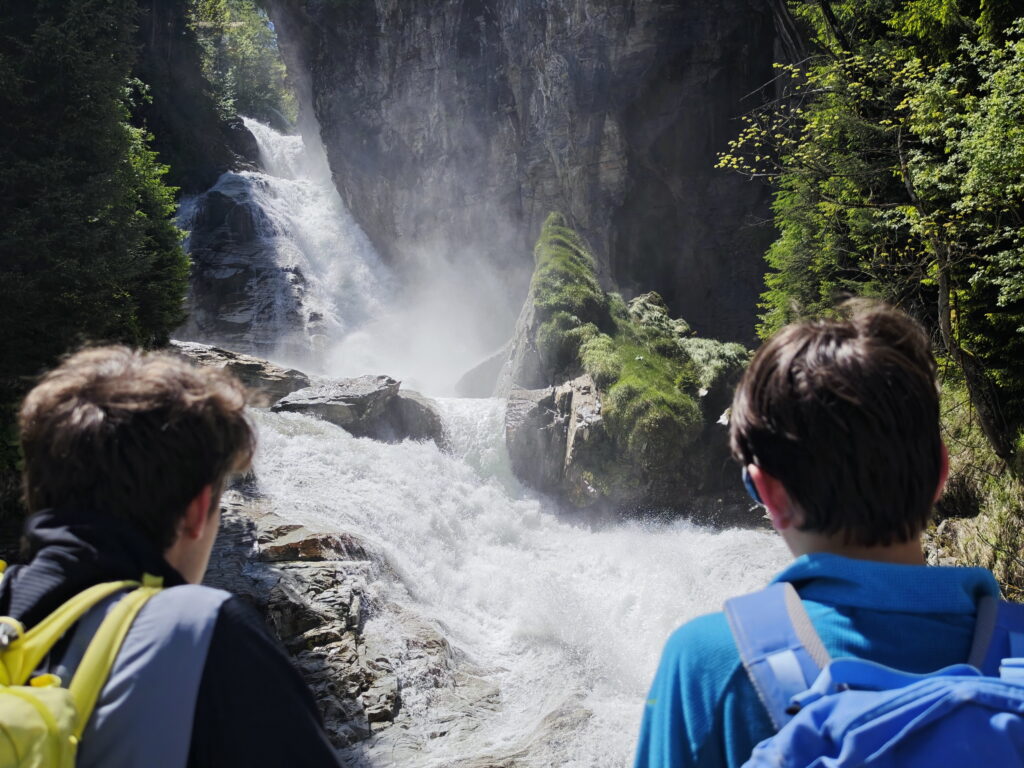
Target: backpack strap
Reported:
point(998, 634)
point(93, 671)
point(25, 650)
point(778, 645)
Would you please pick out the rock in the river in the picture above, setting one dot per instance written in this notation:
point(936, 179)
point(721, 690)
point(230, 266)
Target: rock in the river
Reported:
point(522, 367)
point(482, 378)
point(414, 417)
point(370, 406)
point(556, 438)
point(535, 433)
point(311, 589)
point(240, 295)
point(267, 383)
point(354, 404)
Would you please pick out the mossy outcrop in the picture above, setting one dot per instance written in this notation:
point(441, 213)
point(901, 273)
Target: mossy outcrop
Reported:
point(651, 437)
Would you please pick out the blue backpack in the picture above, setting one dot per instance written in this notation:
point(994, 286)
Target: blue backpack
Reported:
point(851, 712)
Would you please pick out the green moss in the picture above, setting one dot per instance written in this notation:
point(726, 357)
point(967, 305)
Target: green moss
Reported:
point(646, 363)
point(714, 360)
point(646, 410)
point(600, 358)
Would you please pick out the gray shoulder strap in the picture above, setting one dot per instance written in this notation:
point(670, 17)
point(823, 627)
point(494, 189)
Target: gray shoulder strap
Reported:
point(778, 645)
point(144, 714)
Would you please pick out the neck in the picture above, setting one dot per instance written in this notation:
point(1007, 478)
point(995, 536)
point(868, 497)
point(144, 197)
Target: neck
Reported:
point(904, 553)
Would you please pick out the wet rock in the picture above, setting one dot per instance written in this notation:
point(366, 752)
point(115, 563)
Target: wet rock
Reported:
point(240, 295)
point(586, 437)
point(482, 379)
point(552, 436)
point(267, 383)
point(354, 404)
point(310, 588)
point(381, 702)
point(522, 367)
point(371, 406)
point(300, 544)
point(535, 433)
point(407, 416)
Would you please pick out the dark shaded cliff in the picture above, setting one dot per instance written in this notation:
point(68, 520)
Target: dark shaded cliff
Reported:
point(188, 132)
point(459, 124)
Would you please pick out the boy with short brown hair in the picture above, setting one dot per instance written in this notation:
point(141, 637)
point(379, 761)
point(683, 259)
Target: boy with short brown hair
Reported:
point(836, 426)
point(126, 455)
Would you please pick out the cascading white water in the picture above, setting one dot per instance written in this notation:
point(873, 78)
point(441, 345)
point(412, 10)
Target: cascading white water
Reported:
point(313, 276)
point(553, 629)
point(565, 621)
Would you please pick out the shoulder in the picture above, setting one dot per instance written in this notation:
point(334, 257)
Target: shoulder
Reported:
point(700, 660)
point(704, 644)
point(699, 697)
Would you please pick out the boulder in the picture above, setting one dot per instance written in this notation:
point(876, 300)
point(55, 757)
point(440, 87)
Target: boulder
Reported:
point(482, 378)
point(311, 589)
point(535, 433)
point(242, 294)
point(411, 416)
point(267, 383)
point(522, 366)
point(371, 406)
point(354, 404)
point(586, 437)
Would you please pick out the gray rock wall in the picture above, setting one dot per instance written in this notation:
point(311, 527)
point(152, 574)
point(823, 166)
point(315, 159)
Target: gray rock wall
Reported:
point(459, 124)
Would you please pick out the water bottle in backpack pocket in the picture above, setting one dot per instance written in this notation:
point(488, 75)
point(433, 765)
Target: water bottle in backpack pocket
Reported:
point(851, 712)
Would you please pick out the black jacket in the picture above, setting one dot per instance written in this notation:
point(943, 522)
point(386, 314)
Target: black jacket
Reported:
point(252, 709)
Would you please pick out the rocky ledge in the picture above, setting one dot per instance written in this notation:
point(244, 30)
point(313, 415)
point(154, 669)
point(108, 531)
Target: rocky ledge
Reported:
point(267, 383)
point(365, 406)
point(311, 587)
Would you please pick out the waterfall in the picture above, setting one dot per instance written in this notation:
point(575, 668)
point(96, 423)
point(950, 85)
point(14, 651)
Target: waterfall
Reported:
point(519, 637)
point(283, 267)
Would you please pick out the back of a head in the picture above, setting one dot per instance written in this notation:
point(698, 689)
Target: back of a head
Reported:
point(131, 434)
point(845, 413)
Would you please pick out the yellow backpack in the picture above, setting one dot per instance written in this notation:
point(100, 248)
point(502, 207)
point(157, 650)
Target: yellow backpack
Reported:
point(41, 722)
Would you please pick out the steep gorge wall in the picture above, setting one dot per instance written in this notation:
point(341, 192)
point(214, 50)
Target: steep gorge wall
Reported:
point(460, 124)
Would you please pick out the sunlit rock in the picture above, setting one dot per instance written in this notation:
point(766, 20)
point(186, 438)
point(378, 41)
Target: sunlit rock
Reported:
point(267, 383)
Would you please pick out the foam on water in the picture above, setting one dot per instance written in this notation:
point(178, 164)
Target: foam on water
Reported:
point(567, 621)
point(551, 630)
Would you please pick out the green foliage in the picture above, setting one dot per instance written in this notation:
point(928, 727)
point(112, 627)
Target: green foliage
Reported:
point(600, 358)
point(647, 411)
point(979, 514)
point(898, 163)
point(648, 364)
point(242, 61)
point(897, 153)
point(569, 301)
point(88, 250)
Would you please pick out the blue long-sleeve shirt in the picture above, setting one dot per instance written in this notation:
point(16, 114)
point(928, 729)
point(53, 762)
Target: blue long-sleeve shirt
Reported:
point(703, 712)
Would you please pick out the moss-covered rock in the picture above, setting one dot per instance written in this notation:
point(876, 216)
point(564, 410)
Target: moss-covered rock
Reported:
point(652, 438)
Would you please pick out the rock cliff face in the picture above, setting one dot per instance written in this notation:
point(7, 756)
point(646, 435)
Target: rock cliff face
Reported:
point(466, 121)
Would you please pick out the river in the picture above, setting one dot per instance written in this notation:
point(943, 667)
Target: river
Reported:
point(552, 627)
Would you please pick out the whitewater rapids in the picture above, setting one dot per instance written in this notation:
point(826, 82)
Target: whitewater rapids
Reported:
point(519, 638)
point(557, 626)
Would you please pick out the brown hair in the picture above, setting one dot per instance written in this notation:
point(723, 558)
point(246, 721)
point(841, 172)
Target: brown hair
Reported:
point(845, 414)
point(136, 435)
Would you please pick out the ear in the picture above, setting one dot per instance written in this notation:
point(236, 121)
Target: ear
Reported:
point(193, 524)
point(943, 471)
point(781, 509)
